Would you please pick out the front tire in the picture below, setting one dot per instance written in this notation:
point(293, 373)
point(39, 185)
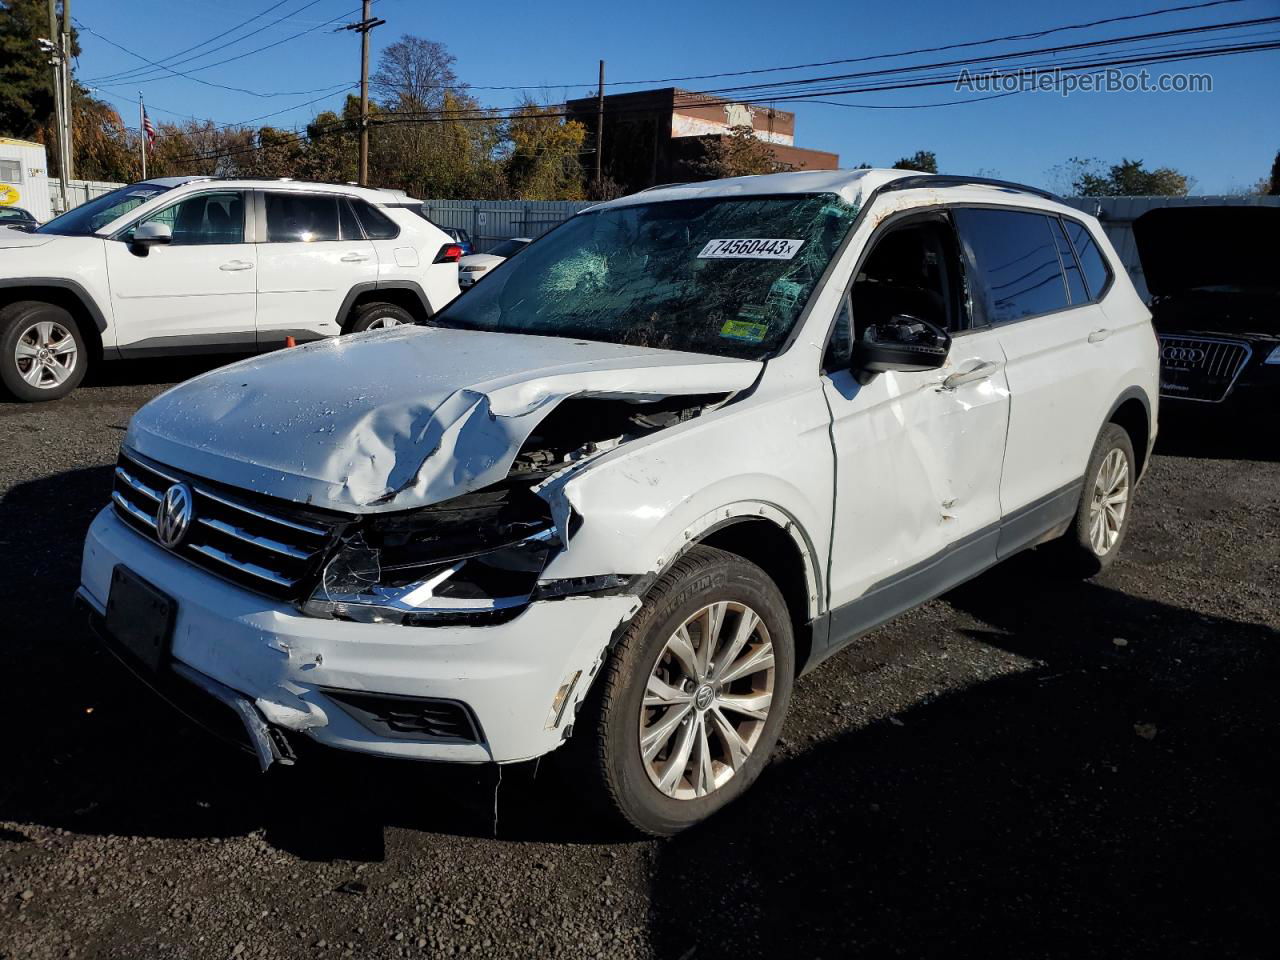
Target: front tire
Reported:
point(43, 355)
point(379, 316)
point(1098, 529)
point(693, 695)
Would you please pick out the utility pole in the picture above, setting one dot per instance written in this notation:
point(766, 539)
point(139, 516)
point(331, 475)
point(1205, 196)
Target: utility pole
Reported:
point(52, 47)
point(366, 24)
point(66, 85)
point(600, 126)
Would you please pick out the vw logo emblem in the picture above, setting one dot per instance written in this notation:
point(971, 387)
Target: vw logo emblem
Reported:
point(174, 514)
point(1182, 354)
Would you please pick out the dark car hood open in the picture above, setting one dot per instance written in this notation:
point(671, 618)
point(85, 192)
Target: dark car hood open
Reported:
point(1183, 248)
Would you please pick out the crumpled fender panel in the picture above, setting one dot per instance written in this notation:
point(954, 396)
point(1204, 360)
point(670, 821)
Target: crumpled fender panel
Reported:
point(391, 420)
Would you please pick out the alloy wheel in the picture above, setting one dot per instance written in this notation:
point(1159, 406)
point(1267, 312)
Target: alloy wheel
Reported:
point(706, 700)
point(46, 354)
point(383, 323)
point(1110, 501)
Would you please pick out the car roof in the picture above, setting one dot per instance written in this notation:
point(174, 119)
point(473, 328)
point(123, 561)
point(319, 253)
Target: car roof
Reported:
point(854, 186)
point(377, 195)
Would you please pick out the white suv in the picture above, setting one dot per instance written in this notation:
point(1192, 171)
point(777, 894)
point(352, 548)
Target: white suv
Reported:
point(674, 454)
point(198, 265)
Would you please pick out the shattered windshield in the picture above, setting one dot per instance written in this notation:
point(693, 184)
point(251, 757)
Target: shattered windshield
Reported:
point(719, 275)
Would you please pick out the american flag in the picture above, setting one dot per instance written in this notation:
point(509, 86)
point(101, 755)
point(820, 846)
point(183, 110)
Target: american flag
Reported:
point(148, 129)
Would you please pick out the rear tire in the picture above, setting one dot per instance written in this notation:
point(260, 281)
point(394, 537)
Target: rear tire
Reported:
point(43, 355)
point(379, 316)
point(1101, 522)
point(670, 736)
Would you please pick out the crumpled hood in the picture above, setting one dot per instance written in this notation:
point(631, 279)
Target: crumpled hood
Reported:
point(390, 420)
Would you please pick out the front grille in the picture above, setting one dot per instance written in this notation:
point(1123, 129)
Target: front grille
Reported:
point(1200, 368)
point(269, 546)
point(409, 718)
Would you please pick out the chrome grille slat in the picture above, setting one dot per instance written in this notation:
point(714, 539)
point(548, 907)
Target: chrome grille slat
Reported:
point(132, 511)
point(266, 543)
point(251, 568)
point(136, 484)
point(253, 546)
point(1200, 368)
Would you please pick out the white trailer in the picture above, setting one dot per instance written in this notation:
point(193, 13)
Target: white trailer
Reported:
point(24, 177)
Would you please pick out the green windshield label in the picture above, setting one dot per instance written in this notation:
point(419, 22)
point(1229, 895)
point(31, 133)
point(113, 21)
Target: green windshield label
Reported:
point(744, 330)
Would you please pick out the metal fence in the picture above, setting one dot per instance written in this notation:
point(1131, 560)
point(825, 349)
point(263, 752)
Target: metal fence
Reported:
point(79, 191)
point(490, 221)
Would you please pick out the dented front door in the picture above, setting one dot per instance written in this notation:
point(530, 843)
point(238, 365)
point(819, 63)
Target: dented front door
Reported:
point(918, 464)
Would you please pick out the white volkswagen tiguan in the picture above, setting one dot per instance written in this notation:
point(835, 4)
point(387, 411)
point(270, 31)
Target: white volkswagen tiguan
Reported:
point(618, 496)
point(197, 265)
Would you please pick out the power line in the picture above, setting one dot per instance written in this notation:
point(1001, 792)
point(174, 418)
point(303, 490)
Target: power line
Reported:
point(123, 74)
point(208, 66)
point(991, 58)
point(490, 114)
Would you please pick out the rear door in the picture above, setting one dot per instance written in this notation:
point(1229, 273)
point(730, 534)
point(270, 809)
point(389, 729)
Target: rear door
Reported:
point(1048, 330)
point(196, 292)
point(313, 253)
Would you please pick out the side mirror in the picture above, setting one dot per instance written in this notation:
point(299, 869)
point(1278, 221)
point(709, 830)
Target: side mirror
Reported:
point(905, 344)
point(152, 232)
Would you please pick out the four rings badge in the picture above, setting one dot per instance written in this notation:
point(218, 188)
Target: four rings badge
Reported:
point(174, 514)
point(1182, 354)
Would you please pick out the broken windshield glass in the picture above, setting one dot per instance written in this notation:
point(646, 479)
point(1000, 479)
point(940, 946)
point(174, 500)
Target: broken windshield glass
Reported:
point(719, 275)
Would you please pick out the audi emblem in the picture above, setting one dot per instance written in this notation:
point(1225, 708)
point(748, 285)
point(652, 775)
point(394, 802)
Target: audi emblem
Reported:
point(1182, 354)
point(173, 516)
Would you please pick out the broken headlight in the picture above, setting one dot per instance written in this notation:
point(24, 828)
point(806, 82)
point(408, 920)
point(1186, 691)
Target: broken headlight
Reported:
point(475, 558)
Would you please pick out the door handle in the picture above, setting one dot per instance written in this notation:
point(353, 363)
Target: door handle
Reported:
point(979, 371)
point(233, 265)
point(355, 258)
point(1097, 336)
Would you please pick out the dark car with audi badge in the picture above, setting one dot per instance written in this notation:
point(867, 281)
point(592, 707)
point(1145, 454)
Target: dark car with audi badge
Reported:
point(1214, 281)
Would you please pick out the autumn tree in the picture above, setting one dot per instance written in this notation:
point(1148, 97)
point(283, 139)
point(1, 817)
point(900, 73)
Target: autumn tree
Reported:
point(545, 151)
point(740, 153)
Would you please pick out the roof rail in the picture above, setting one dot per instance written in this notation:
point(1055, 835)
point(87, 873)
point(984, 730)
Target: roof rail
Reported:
point(951, 180)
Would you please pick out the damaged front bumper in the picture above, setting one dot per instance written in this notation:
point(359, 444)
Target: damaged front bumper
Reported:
point(496, 693)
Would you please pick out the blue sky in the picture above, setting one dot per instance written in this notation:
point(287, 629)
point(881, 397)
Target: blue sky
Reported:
point(1225, 139)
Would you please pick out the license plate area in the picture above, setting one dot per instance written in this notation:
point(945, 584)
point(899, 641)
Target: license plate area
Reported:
point(140, 618)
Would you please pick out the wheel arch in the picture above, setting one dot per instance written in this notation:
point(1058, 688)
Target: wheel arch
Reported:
point(402, 293)
point(66, 294)
point(773, 540)
point(1132, 413)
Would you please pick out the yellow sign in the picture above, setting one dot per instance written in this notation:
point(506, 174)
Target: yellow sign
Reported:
point(8, 195)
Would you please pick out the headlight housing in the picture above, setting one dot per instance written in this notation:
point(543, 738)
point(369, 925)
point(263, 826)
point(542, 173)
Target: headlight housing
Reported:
point(475, 558)
point(1273, 356)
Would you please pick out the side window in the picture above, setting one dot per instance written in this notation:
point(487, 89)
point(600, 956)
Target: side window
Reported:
point(301, 217)
point(1017, 260)
point(1096, 272)
point(377, 225)
point(1075, 282)
point(203, 219)
point(912, 270)
point(347, 222)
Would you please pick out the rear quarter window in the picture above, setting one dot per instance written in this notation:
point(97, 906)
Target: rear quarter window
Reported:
point(1097, 273)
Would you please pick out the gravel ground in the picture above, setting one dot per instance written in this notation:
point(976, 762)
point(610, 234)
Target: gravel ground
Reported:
point(1025, 768)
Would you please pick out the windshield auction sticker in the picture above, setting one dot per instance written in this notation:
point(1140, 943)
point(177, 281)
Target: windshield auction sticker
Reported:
point(750, 249)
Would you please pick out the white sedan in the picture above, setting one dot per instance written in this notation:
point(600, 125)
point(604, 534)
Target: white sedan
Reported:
point(471, 268)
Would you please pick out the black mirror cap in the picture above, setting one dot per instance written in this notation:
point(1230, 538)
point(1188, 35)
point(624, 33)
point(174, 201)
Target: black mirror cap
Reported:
point(905, 344)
